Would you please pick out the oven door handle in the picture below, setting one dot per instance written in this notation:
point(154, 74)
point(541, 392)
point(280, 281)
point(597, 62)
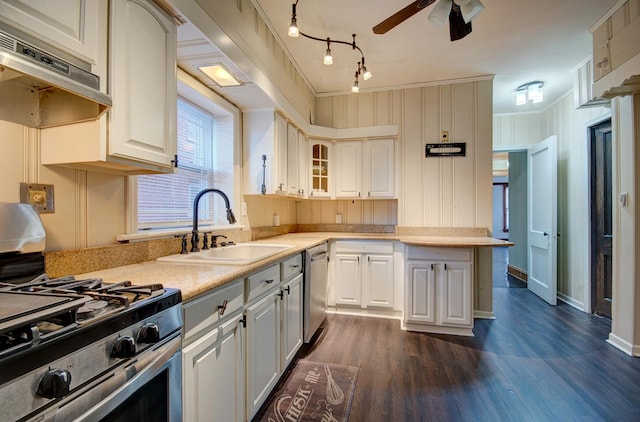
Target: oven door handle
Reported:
point(169, 356)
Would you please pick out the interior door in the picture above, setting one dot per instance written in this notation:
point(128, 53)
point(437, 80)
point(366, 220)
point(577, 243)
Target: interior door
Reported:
point(601, 219)
point(542, 219)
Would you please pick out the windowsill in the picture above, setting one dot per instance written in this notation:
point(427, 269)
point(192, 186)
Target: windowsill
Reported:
point(163, 233)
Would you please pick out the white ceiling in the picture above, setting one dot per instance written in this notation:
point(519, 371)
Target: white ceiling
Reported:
point(518, 41)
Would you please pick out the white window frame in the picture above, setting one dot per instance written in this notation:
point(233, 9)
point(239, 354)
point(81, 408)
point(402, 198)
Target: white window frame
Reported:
point(194, 91)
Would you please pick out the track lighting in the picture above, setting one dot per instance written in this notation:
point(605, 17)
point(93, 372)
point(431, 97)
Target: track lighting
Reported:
point(328, 58)
point(294, 31)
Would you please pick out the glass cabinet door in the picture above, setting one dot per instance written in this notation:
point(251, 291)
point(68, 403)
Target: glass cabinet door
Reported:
point(320, 170)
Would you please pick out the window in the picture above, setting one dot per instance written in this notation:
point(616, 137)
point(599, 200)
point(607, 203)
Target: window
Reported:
point(206, 156)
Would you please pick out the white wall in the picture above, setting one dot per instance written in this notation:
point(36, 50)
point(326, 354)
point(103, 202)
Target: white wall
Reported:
point(570, 125)
point(89, 207)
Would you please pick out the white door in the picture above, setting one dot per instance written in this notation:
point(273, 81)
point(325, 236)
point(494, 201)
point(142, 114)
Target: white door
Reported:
point(542, 219)
point(348, 284)
point(379, 281)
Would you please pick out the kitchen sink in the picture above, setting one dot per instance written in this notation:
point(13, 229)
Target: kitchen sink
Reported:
point(240, 254)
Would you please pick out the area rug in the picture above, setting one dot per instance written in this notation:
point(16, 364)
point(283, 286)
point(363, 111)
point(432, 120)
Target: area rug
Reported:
point(313, 391)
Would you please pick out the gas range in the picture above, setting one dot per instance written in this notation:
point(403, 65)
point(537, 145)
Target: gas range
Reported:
point(62, 337)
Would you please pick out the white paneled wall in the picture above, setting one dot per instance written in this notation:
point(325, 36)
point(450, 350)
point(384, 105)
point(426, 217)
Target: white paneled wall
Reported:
point(433, 192)
point(89, 207)
point(571, 127)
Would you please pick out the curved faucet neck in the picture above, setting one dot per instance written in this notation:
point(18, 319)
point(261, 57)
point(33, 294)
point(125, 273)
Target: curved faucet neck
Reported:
point(196, 201)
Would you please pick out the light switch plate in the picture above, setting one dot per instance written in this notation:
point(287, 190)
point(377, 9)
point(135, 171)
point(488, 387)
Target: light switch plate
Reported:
point(338, 218)
point(39, 195)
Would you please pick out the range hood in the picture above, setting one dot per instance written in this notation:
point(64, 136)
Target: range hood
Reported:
point(39, 89)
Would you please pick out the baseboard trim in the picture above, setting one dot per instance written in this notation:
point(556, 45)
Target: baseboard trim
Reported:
point(483, 314)
point(571, 302)
point(623, 345)
point(518, 273)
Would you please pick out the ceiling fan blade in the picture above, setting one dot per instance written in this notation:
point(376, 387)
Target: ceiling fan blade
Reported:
point(401, 16)
point(458, 29)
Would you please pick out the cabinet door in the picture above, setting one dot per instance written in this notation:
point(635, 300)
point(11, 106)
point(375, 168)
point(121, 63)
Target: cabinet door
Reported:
point(378, 169)
point(303, 165)
point(292, 161)
point(348, 169)
point(455, 294)
point(348, 286)
point(292, 327)
point(263, 350)
point(143, 82)
point(379, 281)
point(320, 170)
point(420, 300)
point(601, 56)
point(70, 25)
point(214, 375)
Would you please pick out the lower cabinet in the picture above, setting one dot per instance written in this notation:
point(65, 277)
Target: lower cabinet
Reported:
point(364, 274)
point(292, 323)
point(438, 290)
point(238, 341)
point(263, 350)
point(214, 375)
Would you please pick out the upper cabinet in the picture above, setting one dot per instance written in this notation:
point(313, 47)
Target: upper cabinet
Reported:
point(616, 51)
point(321, 168)
point(273, 148)
point(365, 169)
point(138, 135)
point(72, 26)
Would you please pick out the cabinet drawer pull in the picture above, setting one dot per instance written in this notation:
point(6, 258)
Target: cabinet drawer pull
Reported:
point(294, 266)
point(445, 267)
point(222, 308)
point(602, 63)
point(269, 281)
point(431, 267)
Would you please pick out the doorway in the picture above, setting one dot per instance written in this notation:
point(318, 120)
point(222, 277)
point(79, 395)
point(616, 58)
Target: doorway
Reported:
point(601, 218)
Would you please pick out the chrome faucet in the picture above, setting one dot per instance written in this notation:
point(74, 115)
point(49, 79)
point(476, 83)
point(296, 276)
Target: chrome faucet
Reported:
point(194, 232)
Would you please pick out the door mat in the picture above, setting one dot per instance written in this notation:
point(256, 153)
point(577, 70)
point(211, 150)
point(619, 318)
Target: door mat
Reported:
point(313, 391)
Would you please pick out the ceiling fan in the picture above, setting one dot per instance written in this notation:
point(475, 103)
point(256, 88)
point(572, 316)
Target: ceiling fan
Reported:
point(459, 12)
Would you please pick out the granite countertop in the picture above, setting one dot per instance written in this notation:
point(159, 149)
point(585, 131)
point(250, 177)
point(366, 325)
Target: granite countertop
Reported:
point(196, 279)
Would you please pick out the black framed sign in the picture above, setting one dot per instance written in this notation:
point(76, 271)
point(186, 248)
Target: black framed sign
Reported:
point(455, 149)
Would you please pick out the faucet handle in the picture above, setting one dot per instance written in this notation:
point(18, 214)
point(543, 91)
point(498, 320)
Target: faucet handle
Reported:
point(214, 239)
point(205, 241)
point(184, 250)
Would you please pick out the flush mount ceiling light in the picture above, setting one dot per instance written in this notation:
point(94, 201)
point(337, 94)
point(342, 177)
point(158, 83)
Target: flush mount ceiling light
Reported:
point(220, 75)
point(531, 91)
point(294, 32)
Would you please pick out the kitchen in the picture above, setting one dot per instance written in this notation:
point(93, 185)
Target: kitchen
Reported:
point(87, 197)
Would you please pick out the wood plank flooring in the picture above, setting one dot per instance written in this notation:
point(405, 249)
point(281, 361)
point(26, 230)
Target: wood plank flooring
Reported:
point(533, 362)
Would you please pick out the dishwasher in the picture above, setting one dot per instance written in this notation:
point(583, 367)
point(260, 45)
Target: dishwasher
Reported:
point(315, 289)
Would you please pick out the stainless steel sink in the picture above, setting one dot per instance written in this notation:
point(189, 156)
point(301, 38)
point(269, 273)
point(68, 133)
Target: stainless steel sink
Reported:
point(240, 254)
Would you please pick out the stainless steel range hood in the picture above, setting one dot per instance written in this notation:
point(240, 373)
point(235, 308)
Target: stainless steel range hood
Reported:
point(39, 89)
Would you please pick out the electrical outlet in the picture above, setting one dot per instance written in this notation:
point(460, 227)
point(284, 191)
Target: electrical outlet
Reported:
point(444, 136)
point(338, 218)
point(38, 195)
point(243, 209)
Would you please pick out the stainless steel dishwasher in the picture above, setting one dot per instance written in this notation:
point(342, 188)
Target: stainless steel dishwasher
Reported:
point(315, 289)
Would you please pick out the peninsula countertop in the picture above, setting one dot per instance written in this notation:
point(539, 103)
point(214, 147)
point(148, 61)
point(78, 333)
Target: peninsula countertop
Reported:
point(196, 279)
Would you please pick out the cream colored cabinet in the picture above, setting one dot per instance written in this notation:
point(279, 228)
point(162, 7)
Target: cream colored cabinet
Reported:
point(615, 40)
point(271, 148)
point(303, 165)
point(364, 274)
point(321, 168)
point(292, 324)
point(263, 349)
point(73, 26)
point(138, 134)
point(213, 356)
point(365, 169)
point(438, 291)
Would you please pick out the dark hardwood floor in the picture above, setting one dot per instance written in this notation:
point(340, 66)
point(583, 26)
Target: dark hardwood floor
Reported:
point(534, 362)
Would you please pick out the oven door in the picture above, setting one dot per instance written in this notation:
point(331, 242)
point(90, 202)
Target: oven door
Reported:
point(149, 389)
